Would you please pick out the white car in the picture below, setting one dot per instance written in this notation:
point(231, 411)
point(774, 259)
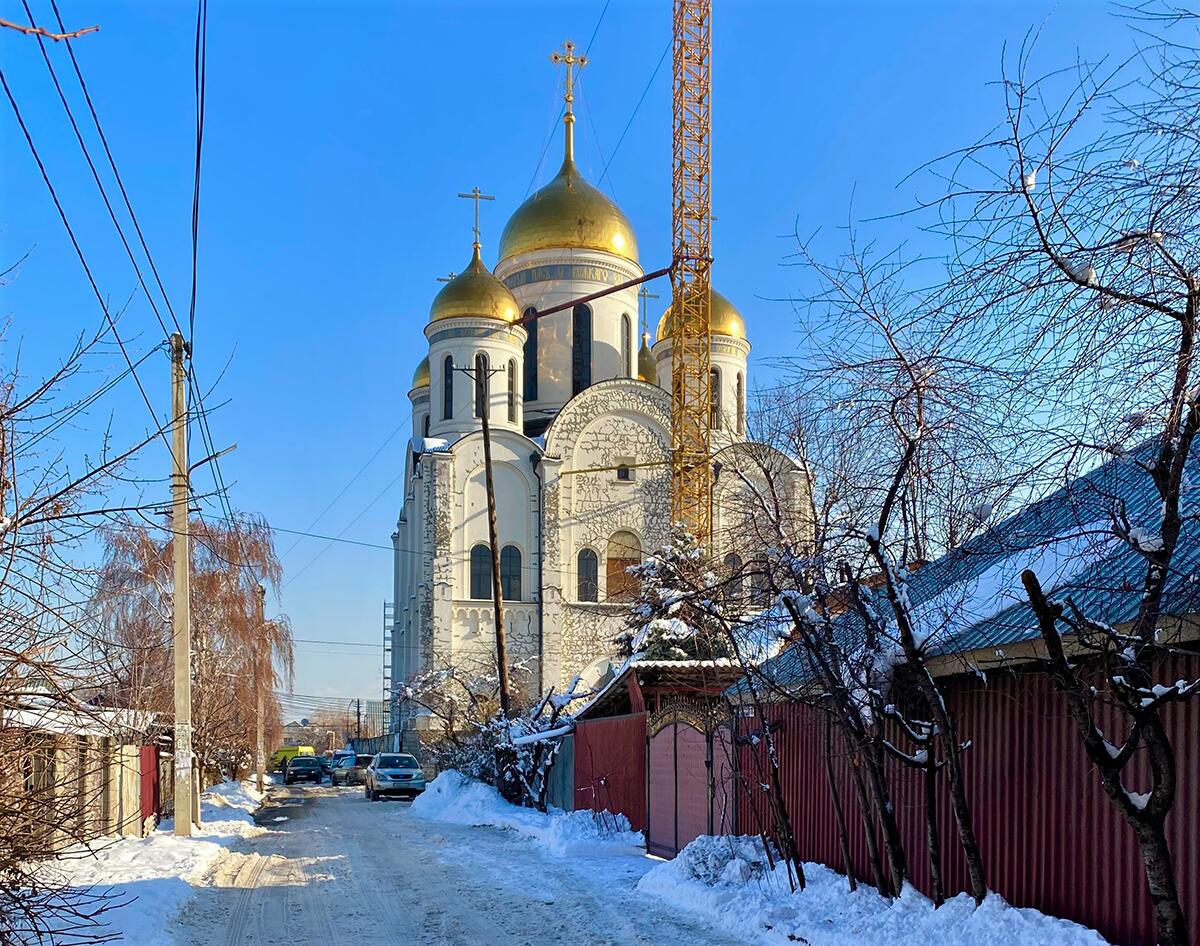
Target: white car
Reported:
point(394, 773)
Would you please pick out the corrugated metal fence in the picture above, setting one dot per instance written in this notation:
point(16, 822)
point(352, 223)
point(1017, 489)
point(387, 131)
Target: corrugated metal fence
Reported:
point(610, 766)
point(1050, 837)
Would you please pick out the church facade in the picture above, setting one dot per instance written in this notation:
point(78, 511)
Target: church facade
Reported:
point(580, 439)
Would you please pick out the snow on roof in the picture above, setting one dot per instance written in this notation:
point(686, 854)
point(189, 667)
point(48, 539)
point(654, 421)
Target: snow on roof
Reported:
point(685, 664)
point(84, 721)
point(421, 445)
point(972, 598)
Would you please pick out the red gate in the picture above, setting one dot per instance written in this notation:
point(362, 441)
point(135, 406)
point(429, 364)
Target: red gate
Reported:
point(690, 778)
point(610, 766)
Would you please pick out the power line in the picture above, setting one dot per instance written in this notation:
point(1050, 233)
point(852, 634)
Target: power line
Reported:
point(79, 253)
point(628, 124)
point(350, 483)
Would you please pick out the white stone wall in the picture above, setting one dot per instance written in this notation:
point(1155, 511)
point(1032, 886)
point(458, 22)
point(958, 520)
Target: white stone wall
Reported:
point(549, 277)
point(730, 357)
point(461, 339)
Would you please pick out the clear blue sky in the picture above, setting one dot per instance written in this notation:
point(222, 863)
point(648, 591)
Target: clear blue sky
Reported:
point(337, 137)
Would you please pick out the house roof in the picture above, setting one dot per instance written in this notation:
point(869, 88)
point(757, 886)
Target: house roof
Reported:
point(972, 597)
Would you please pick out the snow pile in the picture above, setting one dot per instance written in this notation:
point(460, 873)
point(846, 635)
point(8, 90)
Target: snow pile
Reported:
point(729, 881)
point(150, 879)
point(454, 798)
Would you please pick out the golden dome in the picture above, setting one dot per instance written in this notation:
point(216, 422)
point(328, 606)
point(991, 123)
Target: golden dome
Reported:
point(724, 319)
point(568, 212)
point(474, 292)
point(421, 375)
point(647, 370)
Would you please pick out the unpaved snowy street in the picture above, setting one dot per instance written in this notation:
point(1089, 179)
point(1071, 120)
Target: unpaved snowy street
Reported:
point(341, 869)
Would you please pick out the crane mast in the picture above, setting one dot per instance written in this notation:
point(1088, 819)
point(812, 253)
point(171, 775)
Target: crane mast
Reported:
point(691, 218)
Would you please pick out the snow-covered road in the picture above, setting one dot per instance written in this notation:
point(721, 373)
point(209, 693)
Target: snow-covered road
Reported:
point(340, 869)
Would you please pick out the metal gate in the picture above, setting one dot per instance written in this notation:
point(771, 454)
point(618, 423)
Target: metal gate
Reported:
point(689, 777)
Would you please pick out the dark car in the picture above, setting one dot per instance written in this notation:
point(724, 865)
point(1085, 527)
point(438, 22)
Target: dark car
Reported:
point(326, 764)
point(304, 768)
point(350, 770)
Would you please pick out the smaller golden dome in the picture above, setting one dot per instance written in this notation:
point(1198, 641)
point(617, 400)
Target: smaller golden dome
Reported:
point(421, 375)
point(724, 319)
point(647, 370)
point(475, 292)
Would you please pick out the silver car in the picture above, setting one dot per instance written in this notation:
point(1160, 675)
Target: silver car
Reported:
point(394, 774)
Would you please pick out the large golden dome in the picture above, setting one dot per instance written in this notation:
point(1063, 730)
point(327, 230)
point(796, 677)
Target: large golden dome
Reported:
point(568, 212)
point(724, 319)
point(421, 375)
point(475, 292)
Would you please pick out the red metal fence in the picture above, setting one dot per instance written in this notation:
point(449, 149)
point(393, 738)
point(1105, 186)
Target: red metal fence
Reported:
point(150, 795)
point(610, 766)
point(1050, 837)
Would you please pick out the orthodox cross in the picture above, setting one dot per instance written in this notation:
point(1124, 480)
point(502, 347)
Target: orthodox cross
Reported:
point(477, 195)
point(643, 295)
point(568, 58)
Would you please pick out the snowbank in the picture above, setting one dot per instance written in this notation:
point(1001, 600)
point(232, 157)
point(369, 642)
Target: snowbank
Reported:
point(730, 881)
point(151, 878)
point(454, 798)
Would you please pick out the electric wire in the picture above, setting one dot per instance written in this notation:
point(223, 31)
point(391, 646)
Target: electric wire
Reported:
point(79, 253)
point(633, 115)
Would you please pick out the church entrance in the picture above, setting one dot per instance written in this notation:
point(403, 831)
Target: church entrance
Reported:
point(690, 784)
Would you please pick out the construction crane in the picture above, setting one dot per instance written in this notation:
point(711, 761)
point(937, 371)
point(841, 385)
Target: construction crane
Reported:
point(691, 219)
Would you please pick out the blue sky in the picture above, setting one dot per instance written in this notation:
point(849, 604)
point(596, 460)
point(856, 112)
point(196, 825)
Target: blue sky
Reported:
point(337, 137)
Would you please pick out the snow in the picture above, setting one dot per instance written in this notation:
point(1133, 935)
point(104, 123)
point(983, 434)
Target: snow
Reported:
point(456, 799)
point(151, 878)
point(999, 585)
point(729, 881)
point(1139, 800)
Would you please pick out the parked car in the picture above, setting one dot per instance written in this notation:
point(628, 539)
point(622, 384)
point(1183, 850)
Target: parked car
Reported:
point(326, 763)
point(304, 768)
point(394, 773)
point(350, 770)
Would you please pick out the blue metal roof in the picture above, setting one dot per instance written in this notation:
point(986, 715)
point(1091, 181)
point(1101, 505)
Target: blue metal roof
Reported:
point(1103, 575)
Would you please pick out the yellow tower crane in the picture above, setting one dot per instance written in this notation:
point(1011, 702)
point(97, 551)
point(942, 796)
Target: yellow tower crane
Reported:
point(691, 218)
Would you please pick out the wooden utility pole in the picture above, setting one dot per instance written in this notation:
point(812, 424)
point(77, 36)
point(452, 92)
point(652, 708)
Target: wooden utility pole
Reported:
point(260, 758)
point(494, 544)
point(181, 623)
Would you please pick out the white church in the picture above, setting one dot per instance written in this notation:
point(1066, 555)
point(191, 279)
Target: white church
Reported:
point(580, 427)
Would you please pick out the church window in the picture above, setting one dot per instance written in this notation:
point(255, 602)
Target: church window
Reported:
point(581, 349)
point(587, 575)
point(512, 391)
point(626, 346)
point(714, 407)
point(483, 386)
point(624, 551)
point(510, 573)
point(481, 572)
point(625, 473)
point(741, 405)
point(448, 388)
point(733, 569)
point(531, 346)
point(425, 427)
point(760, 586)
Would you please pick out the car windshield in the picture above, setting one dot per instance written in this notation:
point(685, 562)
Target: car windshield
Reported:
point(395, 762)
point(304, 762)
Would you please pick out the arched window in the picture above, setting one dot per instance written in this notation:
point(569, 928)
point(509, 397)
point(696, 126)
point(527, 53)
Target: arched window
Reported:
point(626, 346)
point(425, 427)
point(587, 577)
point(510, 573)
point(741, 405)
point(733, 569)
point(760, 585)
point(581, 349)
point(483, 386)
point(624, 551)
point(447, 388)
point(512, 391)
point(531, 332)
point(481, 572)
point(714, 407)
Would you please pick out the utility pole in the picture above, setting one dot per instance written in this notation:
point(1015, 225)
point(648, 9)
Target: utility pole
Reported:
point(260, 758)
point(358, 719)
point(181, 620)
point(483, 409)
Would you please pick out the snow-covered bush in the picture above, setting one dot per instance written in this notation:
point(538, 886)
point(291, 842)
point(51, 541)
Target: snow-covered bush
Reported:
point(725, 861)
